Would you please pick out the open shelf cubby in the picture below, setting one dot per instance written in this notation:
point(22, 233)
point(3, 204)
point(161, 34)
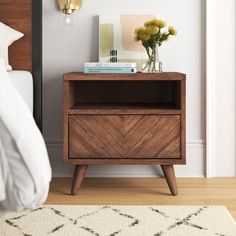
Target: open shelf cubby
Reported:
point(125, 97)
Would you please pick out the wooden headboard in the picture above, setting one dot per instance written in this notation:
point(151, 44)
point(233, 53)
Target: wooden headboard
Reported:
point(26, 53)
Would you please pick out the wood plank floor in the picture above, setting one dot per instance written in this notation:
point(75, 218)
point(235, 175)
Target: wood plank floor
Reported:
point(146, 191)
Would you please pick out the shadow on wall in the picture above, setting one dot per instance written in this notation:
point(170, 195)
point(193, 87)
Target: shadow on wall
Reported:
point(56, 4)
point(53, 108)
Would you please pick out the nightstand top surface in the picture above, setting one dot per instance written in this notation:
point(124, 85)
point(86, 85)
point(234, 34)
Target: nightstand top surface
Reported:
point(138, 76)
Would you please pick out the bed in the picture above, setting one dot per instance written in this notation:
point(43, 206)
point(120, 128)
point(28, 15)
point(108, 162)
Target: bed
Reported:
point(24, 164)
point(25, 55)
point(23, 82)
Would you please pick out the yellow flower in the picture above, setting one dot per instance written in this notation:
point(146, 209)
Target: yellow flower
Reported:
point(142, 34)
point(152, 29)
point(158, 22)
point(172, 30)
point(145, 36)
point(148, 24)
point(140, 30)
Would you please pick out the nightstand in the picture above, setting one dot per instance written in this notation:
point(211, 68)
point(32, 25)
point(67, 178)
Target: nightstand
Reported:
point(124, 119)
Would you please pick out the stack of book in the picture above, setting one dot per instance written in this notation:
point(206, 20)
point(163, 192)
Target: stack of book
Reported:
point(109, 68)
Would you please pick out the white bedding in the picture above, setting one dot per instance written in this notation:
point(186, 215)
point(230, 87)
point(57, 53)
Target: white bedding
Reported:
point(24, 162)
point(23, 82)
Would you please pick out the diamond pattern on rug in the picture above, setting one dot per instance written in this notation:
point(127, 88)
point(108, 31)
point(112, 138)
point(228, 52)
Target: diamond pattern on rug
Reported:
point(119, 221)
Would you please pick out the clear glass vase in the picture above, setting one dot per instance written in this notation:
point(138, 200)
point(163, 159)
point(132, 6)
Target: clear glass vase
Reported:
point(153, 63)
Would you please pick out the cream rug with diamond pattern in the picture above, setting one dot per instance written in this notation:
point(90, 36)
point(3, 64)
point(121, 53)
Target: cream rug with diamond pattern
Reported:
point(120, 221)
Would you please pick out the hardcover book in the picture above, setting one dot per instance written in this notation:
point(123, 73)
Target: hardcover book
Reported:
point(111, 64)
point(110, 70)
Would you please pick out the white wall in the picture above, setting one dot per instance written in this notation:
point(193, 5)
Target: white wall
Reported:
point(186, 53)
point(221, 88)
point(225, 90)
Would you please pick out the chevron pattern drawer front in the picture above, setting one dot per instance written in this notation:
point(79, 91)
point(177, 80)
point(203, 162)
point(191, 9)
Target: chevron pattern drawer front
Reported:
point(124, 136)
point(118, 119)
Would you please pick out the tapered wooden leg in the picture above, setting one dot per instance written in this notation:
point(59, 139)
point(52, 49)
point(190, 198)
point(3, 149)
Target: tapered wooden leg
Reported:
point(169, 173)
point(79, 174)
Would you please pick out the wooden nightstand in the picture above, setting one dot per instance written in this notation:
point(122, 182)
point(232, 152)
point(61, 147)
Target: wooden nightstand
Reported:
point(124, 119)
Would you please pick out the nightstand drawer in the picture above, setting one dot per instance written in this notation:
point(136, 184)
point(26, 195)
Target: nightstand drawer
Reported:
point(124, 136)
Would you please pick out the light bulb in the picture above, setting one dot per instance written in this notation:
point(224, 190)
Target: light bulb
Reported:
point(68, 22)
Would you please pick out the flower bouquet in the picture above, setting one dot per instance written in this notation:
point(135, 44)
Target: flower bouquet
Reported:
point(152, 35)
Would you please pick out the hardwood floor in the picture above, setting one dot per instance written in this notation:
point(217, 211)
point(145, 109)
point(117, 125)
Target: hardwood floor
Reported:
point(146, 191)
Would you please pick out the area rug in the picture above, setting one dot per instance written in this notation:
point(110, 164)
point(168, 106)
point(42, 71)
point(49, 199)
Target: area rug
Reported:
point(120, 221)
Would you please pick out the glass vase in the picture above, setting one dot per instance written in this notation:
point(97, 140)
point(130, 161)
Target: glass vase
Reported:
point(153, 63)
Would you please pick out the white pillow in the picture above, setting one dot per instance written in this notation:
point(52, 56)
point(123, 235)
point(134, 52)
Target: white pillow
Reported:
point(7, 37)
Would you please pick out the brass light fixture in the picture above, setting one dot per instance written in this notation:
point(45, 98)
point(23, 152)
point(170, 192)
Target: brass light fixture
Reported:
point(69, 6)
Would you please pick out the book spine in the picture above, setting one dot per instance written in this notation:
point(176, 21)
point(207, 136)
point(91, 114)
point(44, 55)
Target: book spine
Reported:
point(105, 65)
point(110, 70)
